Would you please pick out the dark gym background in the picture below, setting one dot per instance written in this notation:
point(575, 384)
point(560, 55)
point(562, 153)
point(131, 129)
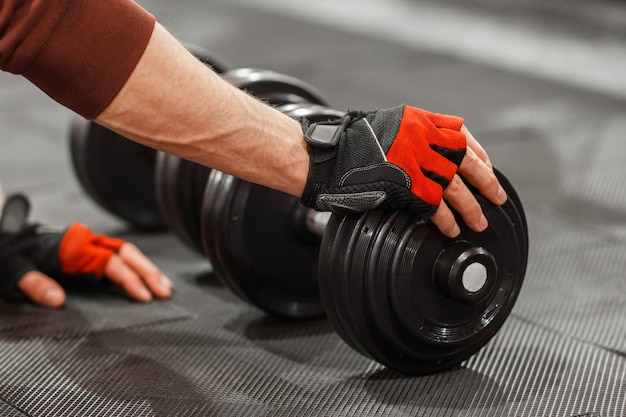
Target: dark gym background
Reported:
point(540, 84)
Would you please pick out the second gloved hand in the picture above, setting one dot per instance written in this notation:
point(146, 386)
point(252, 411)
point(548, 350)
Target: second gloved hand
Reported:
point(403, 157)
point(34, 257)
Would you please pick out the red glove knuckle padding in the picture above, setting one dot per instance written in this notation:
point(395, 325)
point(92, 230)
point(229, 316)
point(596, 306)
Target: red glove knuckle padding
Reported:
point(348, 173)
point(411, 150)
point(83, 252)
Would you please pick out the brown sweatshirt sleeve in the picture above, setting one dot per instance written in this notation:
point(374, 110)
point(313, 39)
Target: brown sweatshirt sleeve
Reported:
point(79, 52)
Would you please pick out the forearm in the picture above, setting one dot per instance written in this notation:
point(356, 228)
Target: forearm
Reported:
point(174, 103)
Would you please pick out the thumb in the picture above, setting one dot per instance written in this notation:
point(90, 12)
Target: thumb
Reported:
point(41, 289)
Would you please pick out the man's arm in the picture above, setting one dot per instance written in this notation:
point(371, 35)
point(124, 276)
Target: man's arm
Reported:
point(92, 58)
point(174, 103)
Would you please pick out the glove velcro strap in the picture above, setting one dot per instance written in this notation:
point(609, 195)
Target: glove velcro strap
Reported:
point(326, 134)
point(321, 140)
point(321, 169)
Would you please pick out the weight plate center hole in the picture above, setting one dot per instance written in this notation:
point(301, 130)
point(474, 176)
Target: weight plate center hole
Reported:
point(465, 273)
point(474, 277)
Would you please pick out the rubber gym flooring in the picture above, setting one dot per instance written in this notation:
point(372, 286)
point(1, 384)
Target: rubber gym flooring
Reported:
point(539, 84)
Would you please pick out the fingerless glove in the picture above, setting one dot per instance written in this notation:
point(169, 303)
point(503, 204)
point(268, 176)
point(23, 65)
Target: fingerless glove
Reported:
point(56, 252)
point(398, 158)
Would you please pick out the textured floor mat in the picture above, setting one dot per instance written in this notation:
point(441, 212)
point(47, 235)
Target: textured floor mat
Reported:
point(206, 353)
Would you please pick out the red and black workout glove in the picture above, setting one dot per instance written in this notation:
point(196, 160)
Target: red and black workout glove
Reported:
point(398, 158)
point(60, 254)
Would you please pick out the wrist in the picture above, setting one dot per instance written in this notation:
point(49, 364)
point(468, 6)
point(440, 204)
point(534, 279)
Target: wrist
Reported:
point(297, 170)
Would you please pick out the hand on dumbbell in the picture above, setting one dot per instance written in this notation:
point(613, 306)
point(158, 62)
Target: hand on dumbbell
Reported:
point(393, 288)
point(34, 258)
point(399, 158)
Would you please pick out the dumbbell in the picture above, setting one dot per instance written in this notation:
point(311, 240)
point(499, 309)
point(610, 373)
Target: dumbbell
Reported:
point(400, 292)
point(116, 173)
point(119, 174)
point(393, 287)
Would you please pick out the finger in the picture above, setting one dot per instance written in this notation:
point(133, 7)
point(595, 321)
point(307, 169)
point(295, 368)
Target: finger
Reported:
point(149, 273)
point(121, 274)
point(475, 146)
point(481, 176)
point(459, 197)
point(41, 289)
point(445, 221)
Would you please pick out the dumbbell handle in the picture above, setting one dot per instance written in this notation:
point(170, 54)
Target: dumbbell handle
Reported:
point(308, 223)
point(316, 221)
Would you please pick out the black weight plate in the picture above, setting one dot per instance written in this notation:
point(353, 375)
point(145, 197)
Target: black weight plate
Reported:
point(218, 194)
point(273, 87)
point(256, 242)
point(517, 215)
point(116, 173)
point(250, 240)
point(378, 285)
point(180, 188)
